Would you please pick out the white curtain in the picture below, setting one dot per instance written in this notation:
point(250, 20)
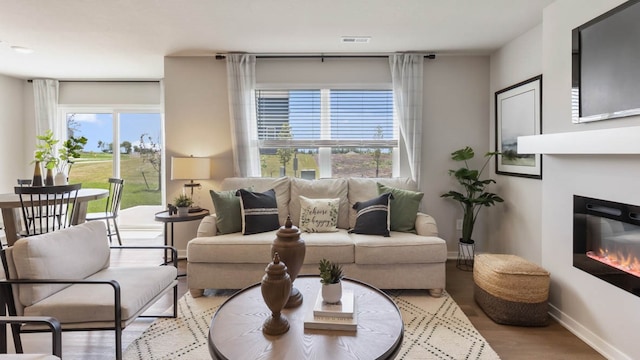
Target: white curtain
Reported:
point(241, 80)
point(407, 77)
point(45, 96)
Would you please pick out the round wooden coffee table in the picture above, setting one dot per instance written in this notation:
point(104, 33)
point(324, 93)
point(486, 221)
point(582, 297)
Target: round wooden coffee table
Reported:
point(236, 328)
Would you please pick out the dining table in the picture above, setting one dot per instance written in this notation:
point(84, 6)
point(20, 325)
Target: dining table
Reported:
point(10, 205)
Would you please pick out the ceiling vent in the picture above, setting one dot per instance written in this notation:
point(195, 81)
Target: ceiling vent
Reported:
point(355, 39)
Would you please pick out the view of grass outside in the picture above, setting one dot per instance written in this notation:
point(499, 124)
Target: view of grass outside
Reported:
point(139, 150)
point(344, 163)
point(141, 185)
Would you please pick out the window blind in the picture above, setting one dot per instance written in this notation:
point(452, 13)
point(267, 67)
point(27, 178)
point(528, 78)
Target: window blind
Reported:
point(325, 118)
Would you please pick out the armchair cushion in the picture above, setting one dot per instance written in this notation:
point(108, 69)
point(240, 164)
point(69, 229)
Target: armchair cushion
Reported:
point(139, 286)
point(59, 255)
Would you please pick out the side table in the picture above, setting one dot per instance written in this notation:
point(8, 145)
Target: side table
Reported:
point(167, 219)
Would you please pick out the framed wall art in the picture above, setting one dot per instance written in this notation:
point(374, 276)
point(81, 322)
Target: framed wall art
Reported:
point(518, 111)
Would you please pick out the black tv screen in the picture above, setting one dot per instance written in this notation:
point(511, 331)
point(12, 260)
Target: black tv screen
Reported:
point(606, 65)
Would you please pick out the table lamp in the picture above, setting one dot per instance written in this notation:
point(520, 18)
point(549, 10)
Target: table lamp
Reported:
point(190, 168)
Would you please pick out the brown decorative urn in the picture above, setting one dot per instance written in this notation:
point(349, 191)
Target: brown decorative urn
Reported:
point(275, 287)
point(291, 249)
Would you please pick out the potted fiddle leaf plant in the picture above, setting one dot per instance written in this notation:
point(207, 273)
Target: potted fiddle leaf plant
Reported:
point(330, 276)
point(182, 202)
point(45, 154)
point(70, 151)
point(474, 195)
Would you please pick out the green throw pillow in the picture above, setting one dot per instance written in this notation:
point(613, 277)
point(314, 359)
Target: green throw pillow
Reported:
point(404, 207)
point(228, 214)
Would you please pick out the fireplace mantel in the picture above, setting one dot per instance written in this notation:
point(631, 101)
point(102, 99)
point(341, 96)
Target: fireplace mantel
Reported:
point(624, 140)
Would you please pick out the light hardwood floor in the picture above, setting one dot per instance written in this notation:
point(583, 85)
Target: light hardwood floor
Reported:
point(510, 342)
point(516, 342)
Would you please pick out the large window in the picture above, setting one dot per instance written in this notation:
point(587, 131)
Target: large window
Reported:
point(326, 133)
point(120, 143)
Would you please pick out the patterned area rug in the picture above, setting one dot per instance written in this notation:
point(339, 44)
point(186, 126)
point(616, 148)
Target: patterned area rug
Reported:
point(434, 329)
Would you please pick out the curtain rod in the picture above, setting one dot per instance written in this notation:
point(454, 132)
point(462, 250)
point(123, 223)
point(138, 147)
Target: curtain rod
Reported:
point(320, 56)
point(108, 81)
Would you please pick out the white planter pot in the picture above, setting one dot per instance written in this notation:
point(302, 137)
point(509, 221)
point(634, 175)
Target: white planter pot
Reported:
point(60, 179)
point(183, 211)
point(332, 293)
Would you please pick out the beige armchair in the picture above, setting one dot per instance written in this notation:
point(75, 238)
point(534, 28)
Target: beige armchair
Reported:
point(67, 275)
point(56, 337)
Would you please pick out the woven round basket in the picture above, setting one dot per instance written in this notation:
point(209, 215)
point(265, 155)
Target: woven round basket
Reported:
point(511, 290)
point(511, 278)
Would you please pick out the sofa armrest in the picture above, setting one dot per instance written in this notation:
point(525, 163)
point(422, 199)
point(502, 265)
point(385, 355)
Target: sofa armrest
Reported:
point(426, 225)
point(207, 226)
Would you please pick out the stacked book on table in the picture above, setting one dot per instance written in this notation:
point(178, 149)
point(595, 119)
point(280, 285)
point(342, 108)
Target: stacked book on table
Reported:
point(339, 316)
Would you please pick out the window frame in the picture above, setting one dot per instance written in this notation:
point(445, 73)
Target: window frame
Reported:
point(324, 146)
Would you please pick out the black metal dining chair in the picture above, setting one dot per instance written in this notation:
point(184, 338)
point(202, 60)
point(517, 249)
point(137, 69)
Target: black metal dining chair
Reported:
point(46, 208)
point(111, 209)
point(24, 182)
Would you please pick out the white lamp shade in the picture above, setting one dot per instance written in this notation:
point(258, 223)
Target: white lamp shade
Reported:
point(190, 168)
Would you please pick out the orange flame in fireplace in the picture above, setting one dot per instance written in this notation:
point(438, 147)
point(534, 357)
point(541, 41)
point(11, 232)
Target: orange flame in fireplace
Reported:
point(627, 263)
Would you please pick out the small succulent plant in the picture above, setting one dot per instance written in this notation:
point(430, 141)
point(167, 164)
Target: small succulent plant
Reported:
point(330, 272)
point(183, 201)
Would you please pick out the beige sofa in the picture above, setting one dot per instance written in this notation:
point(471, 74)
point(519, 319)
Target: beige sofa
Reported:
point(401, 261)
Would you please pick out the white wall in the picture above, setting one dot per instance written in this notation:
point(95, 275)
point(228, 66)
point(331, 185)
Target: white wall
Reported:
point(456, 114)
point(196, 123)
point(515, 227)
point(13, 159)
point(602, 314)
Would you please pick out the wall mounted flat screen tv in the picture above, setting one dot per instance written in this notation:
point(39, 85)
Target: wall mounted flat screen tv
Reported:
point(606, 65)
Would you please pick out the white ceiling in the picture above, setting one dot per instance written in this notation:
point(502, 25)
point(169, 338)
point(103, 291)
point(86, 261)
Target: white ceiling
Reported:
point(128, 39)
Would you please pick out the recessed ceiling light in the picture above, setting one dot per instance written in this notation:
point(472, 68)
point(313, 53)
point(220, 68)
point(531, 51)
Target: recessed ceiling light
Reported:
point(355, 39)
point(22, 49)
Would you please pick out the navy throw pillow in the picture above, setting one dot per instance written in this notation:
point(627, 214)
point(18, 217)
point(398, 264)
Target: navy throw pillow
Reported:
point(259, 211)
point(373, 216)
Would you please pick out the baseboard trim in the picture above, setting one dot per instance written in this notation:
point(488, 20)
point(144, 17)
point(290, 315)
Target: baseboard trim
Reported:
point(586, 335)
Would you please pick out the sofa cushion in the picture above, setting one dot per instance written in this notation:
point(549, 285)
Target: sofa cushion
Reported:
point(373, 216)
point(337, 247)
point(256, 249)
point(319, 215)
point(228, 211)
point(259, 211)
point(43, 257)
point(280, 185)
point(404, 207)
point(363, 189)
point(400, 248)
point(232, 249)
point(321, 188)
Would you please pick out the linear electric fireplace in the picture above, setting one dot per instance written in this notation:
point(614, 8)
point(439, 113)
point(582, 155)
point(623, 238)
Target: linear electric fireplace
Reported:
point(606, 241)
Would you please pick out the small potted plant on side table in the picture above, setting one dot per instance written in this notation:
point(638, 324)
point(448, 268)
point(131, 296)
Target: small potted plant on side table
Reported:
point(330, 276)
point(182, 202)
